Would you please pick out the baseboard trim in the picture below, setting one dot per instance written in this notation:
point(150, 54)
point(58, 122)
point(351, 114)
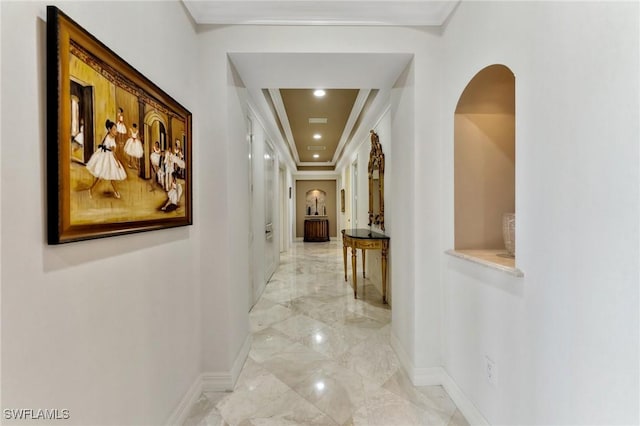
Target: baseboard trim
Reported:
point(210, 382)
point(241, 358)
point(402, 355)
point(181, 412)
point(217, 382)
point(432, 376)
point(226, 380)
point(463, 402)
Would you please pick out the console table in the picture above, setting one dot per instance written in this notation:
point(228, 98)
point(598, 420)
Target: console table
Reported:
point(364, 239)
point(316, 229)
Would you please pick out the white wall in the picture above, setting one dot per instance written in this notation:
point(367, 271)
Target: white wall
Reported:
point(108, 329)
point(565, 337)
point(263, 250)
point(400, 225)
point(225, 250)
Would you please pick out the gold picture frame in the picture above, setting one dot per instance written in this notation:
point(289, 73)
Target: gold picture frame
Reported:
point(119, 149)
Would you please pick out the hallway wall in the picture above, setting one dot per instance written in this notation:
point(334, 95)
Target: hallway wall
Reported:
point(108, 329)
point(217, 41)
point(361, 156)
point(564, 339)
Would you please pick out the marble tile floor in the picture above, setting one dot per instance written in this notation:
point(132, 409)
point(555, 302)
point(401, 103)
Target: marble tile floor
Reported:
point(320, 357)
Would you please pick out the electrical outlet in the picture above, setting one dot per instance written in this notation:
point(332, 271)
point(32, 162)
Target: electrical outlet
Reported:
point(490, 371)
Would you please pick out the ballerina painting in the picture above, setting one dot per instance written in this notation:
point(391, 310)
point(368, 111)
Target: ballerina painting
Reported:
point(112, 135)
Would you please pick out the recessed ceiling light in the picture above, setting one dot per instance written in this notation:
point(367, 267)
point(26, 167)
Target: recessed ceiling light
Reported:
point(316, 155)
point(317, 136)
point(319, 93)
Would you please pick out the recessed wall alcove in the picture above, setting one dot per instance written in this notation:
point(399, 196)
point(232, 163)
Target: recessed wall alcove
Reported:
point(315, 202)
point(484, 166)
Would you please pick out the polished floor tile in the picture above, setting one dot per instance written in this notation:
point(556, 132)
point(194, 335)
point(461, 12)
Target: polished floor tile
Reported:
point(320, 357)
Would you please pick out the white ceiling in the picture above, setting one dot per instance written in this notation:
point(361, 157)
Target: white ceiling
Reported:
point(304, 12)
point(319, 70)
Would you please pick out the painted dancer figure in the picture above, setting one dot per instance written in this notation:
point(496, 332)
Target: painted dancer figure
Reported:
point(103, 164)
point(122, 128)
point(173, 195)
point(156, 161)
point(178, 159)
point(78, 139)
point(121, 135)
point(133, 148)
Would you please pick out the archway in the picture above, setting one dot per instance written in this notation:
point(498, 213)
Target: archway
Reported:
point(484, 158)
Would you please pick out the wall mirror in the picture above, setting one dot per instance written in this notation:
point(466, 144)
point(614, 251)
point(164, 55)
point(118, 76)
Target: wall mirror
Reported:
point(376, 183)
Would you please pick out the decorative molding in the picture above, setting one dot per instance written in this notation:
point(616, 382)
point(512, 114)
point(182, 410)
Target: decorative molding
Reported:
point(179, 415)
point(463, 402)
point(342, 12)
point(316, 175)
point(356, 111)
point(116, 78)
point(221, 381)
point(256, 104)
point(433, 376)
point(376, 112)
point(236, 368)
point(217, 382)
point(281, 111)
point(406, 364)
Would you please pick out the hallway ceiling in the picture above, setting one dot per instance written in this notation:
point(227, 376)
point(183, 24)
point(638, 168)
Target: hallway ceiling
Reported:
point(352, 81)
point(317, 123)
point(316, 127)
point(357, 87)
point(304, 12)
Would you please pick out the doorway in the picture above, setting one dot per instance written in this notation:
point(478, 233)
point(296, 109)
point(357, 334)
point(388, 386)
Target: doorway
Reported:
point(284, 212)
point(82, 143)
point(271, 249)
point(253, 290)
point(354, 194)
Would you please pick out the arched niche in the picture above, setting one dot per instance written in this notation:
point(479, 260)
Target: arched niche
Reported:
point(315, 203)
point(484, 159)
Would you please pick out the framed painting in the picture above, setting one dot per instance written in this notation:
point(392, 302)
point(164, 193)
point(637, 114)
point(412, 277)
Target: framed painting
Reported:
point(119, 149)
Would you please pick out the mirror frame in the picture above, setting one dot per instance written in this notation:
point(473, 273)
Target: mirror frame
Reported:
point(376, 162)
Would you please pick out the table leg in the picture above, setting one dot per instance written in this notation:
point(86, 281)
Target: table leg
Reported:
point(385, 247)
point(344, 255)
point(363, 267)
point(354, 274)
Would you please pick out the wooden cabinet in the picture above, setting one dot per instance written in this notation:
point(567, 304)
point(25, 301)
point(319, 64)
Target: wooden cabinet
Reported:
point(316, 230)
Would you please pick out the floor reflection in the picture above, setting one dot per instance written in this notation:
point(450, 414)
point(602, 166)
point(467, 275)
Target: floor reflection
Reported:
point(320, 357)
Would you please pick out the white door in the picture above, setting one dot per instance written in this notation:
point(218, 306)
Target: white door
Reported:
point(284, 238)
point(271, 251)
point(354, 194)
point(252, 284)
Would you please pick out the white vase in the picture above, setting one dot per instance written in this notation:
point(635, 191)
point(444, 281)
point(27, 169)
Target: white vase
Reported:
point(509, 233)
